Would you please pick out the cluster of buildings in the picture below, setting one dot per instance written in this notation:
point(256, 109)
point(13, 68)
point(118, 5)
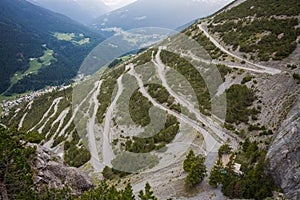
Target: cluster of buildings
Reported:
point(6, 105)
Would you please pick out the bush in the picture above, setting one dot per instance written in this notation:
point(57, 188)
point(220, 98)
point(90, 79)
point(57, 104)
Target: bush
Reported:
point(110, 173)
point(247, 78)
point(32, 137)
point(256, 128)
point(239, 98)
point(160, 94)
point(144, 57)
point(260, 8)
point(139, 108)
point(104, 191)
point(266, 132)
point(297, 77)
point(292, 66)
point(224, 70)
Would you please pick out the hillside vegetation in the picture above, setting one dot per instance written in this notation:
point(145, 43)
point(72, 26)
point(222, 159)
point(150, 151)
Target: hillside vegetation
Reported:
point(265, 29)
point(254, 183)
point(260, 8)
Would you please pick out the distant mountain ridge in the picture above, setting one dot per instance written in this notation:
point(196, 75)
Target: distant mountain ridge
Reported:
point(80, 10)
point(157, 13)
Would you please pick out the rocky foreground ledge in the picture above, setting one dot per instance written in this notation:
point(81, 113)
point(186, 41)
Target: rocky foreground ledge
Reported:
point(50, 170)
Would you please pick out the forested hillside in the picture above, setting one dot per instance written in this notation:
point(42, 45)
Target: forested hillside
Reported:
point(27, 31)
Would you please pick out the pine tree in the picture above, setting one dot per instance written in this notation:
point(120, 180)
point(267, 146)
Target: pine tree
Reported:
point(128, 193)
point(148, 195)
point(193, 177)
point(224, 149)
point(215, 175)
point(188, 161)
point(195, 166)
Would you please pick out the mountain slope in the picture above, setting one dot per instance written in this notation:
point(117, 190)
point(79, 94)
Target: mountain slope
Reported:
point(142, 116)
point(155, 13)
point(27, 33)
point(80, 10)
point(261, 30)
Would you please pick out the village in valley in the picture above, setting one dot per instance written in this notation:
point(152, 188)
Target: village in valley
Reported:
point(7, 105)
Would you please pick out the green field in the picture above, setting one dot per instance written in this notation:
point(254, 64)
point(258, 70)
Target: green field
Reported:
point(64, 36)
point(71, 37)
point(35, 64)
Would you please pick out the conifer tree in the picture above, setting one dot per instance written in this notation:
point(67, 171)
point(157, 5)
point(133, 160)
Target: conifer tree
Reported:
point(148, 194)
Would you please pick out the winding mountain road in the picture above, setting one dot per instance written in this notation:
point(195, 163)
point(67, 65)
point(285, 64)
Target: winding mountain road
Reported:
point(209, 123)
point(228, 64)
point(211, 144)
point(91, 126)
point(28, 107)
point(55, 105)
point(107, 151)
point(267, 70)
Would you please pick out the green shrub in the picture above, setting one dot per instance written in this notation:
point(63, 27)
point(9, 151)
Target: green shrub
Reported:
point(292, 66)
point(246, 79)
point(16, 175)
point(224, 70)
point(139, 107)
point(144, 57)
point(253, 127)
point(104, 191)
point(110, 173)
point(160, 94)
point(239, 98)
point(297, 77)
point(224, 149)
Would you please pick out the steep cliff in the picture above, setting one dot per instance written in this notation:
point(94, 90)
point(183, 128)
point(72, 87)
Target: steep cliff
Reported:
point(284, 154)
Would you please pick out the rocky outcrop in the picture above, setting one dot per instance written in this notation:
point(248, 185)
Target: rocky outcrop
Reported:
point(284, 155)
point(49, 169)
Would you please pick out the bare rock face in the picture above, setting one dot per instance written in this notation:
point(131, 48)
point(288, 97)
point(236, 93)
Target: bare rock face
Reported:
point(50, 170)
point(284, 155)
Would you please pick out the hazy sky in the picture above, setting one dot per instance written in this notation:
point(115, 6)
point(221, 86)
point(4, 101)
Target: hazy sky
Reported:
point(114, 4)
